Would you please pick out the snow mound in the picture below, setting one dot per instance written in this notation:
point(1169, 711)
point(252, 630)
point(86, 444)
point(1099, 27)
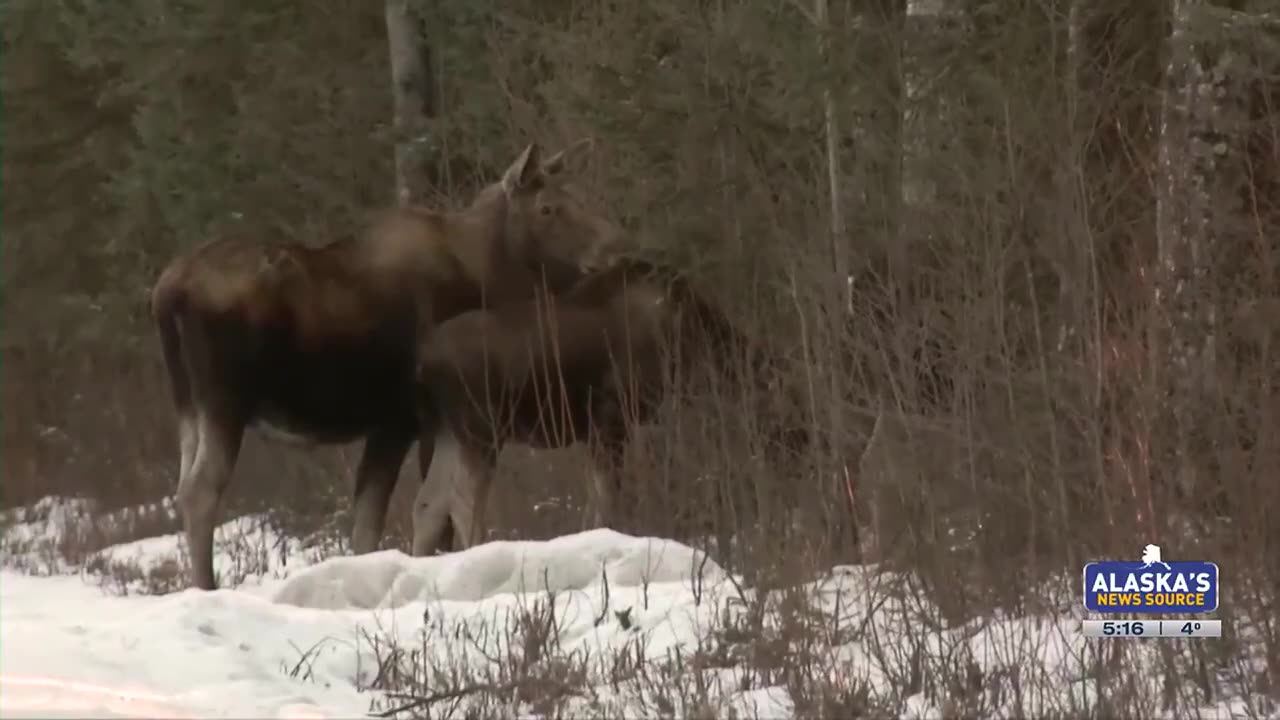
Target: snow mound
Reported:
point(390, 579)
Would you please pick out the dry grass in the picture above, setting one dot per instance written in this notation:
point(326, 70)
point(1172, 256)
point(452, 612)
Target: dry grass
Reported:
point(999, 391)
point(531, 672)
point(869, 648)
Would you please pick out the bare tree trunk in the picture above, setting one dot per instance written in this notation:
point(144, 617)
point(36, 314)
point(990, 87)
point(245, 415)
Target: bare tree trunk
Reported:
point(843, 527)
point(838, 228)
point(839, 254)
point(1201, 221)
point(411, 86)
point(883, 24)
point(888, 24)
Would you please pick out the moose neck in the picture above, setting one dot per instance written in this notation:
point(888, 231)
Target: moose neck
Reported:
point(487, 252)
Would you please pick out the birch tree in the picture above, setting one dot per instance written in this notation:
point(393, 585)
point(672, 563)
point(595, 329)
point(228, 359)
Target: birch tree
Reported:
point(411, 85)
point(1202, 223)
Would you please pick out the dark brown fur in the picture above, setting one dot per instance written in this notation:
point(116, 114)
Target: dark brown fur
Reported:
point(320, 343)
point(587, 365)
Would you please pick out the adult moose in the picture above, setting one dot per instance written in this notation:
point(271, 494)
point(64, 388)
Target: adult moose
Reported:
point(586, 365)
point(320, 343)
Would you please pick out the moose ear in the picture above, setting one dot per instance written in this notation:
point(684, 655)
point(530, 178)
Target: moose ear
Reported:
point(522, 171)
point(558, 162)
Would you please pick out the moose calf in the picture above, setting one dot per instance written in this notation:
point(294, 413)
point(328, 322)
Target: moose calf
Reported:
point(585, 365)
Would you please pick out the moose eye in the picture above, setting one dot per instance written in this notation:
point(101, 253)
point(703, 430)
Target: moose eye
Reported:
point(545, 210)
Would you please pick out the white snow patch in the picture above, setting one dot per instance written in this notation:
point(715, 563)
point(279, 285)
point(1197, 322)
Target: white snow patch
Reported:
point(48, 519)
point(247, 550)
point(297, 638)
point(572, 562)
point(66, 647)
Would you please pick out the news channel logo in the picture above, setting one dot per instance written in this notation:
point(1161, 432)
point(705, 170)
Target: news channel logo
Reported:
point(1150, 585)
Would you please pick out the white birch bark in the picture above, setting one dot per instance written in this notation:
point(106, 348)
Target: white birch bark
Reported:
point(1199, 218)
point(413, 98)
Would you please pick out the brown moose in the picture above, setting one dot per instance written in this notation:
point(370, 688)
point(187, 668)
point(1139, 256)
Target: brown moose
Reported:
point(585, 365)
point(320, 343)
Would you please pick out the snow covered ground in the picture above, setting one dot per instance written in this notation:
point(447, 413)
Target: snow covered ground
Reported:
point(603, 622)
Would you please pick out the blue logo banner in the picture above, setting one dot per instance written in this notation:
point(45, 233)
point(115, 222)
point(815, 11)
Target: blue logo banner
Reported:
point(1150, 587)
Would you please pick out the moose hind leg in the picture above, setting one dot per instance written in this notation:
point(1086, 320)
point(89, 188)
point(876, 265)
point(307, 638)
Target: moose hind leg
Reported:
point(384, 452)
point(200, 491)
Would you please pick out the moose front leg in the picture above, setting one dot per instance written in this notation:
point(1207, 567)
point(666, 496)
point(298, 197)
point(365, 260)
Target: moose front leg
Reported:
point(445, 509)
point(449, 512)
point(432, 528)
point(469, 497)
point(384, 452)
